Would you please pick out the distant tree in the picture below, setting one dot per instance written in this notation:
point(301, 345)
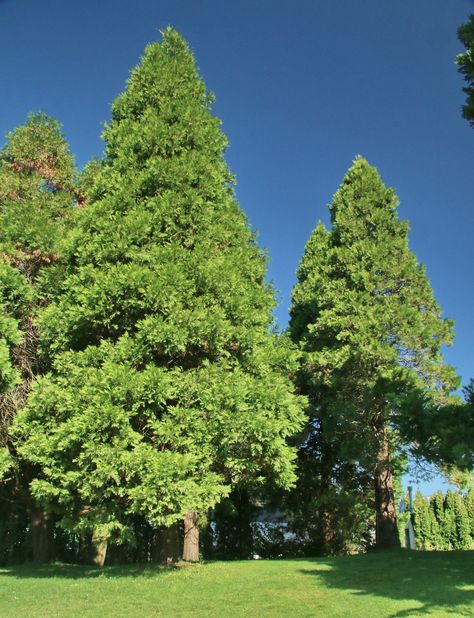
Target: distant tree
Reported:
point(169, 386)
point(370, 332)
point(449, 522)
point(435, 539)
point(465, 62)
point(448, 528)
point(437, 506)
point(37, 198)
point(422, 522)
point(463, 526)
point(469, 504)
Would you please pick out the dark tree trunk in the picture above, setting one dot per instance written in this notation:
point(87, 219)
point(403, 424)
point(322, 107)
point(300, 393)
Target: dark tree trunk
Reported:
point(386, 532)
point(191, 538)
point(327, 529)
point(166, 545)
point(41, 535)
point(327, 513)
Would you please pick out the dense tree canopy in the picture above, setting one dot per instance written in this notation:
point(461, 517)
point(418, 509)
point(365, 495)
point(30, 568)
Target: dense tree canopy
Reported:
point(37, 201)
point(168, 385)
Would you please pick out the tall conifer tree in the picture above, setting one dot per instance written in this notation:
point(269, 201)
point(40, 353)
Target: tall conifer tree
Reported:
point(370, 330)
point(169, 386)
point(37, 199)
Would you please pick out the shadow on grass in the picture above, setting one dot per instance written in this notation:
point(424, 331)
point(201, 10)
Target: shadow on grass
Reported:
point(438, 580)
point(74, 571)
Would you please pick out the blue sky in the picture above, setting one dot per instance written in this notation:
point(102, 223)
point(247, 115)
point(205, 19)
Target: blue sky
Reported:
point(302, 87)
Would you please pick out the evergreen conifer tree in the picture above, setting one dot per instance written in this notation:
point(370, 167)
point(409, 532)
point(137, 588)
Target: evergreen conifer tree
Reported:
point(437, 507)
point(463, 526)
point(168, 385)
point(37, 199)
point(448, 529)
point(469, 504)
point(370, 331)
point(434, 529)
point(421, 521)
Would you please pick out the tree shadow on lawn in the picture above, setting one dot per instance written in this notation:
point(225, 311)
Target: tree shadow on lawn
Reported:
point(75, 571)
point(439, 580)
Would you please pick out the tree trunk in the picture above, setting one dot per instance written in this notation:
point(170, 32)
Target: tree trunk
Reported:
point(327, 512)
point(41, 535)
point(327, 526)
point(98, 549)
point(166, 546)
point(191, 538)
point(386, 531)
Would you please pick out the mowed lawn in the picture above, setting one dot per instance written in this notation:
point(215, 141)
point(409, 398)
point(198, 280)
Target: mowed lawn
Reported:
point(393, 584)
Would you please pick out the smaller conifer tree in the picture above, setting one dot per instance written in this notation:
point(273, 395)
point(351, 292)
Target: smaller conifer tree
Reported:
point(370, 332)
point(37, 200)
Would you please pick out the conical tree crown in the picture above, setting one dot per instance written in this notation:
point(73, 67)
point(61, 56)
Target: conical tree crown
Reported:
point(372, 300)
point(164, 230)
point(370, 331)
point(169, 386)
point(36, 189)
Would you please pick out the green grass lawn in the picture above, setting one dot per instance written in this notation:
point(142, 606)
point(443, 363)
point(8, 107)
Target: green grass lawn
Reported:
point(393, 584)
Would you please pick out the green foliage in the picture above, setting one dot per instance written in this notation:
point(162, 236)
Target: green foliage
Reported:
point(463, 538)
point(370, 332)
point(469, 504)
point(437, 508)
point(435, 536)
point(465, 62)
point(168, 385)
point(36, 189)
point(37, 200)
point(421, 522)
point(36, 171)
point(15, 295)
point(443, 523)
point(449, 520)
point(363, 307)
point(442, 433)
point(9, 336)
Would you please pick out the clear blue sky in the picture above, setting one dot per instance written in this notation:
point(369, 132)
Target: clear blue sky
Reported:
point(302, 86)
